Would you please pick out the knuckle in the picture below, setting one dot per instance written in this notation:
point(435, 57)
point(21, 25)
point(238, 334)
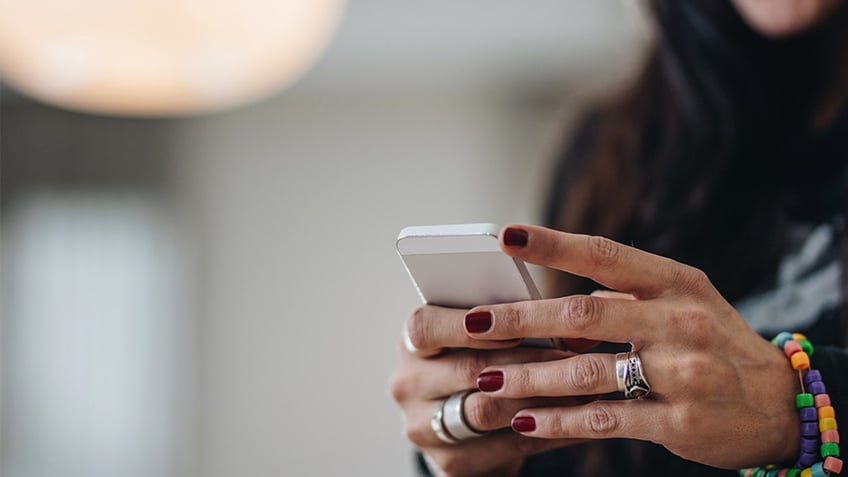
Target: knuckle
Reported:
point(697, 321)
point(689, 279)
point(509, 319)
point(416, 328)
point(587, 375)
point(417, 432)
point(399, 387)
point(689, 417)
point(520, 381)
point(483, 413)
point(453, 464)
point(601, 420)
point(468, 366)
point(581, 312)
point(603, 251)
point(700, 375)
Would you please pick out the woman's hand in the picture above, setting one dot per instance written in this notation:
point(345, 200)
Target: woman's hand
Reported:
point(436, 361)
point(720, 394)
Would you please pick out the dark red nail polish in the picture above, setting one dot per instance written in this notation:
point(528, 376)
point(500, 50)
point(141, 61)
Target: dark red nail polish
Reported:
point(515, 237)
point(490, 381)
point(478, 321)
point(524, 424)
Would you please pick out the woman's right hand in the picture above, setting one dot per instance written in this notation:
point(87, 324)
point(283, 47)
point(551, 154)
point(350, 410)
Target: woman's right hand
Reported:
point(438, 359)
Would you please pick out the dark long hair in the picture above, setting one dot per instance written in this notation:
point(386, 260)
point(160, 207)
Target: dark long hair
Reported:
point(706, 156)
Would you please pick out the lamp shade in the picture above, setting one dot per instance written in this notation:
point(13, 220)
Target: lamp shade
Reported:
point(159, 57)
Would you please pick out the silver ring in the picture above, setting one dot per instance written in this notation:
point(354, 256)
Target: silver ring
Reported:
point(438, 426)
point(453, 417)
point(635, 384)
point(621, 371)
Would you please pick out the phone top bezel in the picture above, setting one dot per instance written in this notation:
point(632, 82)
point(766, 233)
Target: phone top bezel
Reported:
point(452, 238)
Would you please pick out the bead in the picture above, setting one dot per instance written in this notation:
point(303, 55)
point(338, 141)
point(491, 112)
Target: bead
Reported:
point(830, 436)
point(771, 473)
point(782, 473)
point(800, 360)
point(804, 400)
point(822, 400)
point(832, 465)
point(810, 429)
point(807, 459)
point(816, 387)
point(782, 338)
point(746, 472)
point(812, 375)
point(826, 411)
point(792, 347)
point(809, 414)
point(809, 444)
point(829, 449)
point(817, 470)
point(798, 336)
point(759, 472)
point(807, 472)
point(827, 424)
point(806, 346)
point(793, 472)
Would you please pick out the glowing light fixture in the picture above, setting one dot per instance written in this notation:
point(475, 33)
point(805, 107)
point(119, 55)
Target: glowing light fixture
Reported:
point(159, 57)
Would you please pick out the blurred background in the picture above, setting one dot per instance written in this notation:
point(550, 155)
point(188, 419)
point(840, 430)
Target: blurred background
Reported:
point(217, 293)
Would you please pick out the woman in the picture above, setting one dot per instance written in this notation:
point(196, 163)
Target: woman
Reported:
point(727, 155)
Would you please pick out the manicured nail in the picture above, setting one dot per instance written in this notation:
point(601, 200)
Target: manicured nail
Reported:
point(524, 424)
point(490, 381)
point(515, 237)
point(478, 321)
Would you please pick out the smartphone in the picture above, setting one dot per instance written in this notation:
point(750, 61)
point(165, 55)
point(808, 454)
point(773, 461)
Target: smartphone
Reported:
point(462, 266)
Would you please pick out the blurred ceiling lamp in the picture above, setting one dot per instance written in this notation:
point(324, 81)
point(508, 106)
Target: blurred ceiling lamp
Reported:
point(160, 57)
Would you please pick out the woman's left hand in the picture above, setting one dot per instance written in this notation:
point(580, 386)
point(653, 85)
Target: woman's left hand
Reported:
point(720, 394)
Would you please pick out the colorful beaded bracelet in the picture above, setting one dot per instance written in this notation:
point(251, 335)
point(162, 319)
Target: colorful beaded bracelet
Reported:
point(819, 434)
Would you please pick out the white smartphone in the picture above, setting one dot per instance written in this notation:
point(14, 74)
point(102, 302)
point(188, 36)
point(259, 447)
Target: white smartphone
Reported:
point(462, 266)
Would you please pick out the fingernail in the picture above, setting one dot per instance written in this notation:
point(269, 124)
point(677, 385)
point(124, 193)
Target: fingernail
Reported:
point(524, 424)
point(478, 321)
point(515, 237)
point(490, 381)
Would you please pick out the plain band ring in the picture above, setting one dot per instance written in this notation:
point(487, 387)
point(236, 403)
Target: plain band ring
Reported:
point(453, 416)
point(635, 384)
point(438, 425)
point(621, 371)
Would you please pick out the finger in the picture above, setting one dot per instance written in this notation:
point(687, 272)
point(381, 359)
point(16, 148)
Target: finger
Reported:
point(480, 456)
point(581, 345)
point(460, 370)
point(636, 419)
point(484, 413)
point(580, 375)
point(431, 329)
point(436, 378)
point(612, 264)
point(576, 316)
